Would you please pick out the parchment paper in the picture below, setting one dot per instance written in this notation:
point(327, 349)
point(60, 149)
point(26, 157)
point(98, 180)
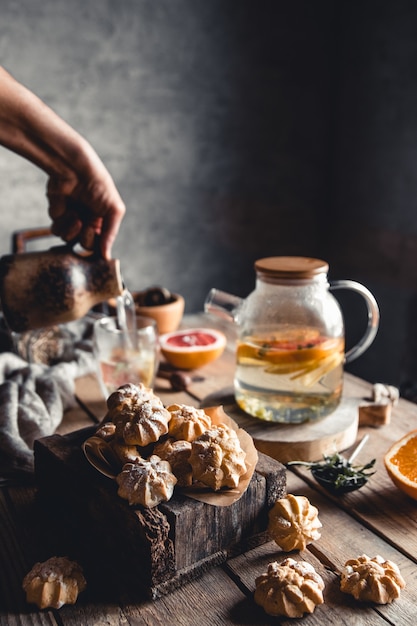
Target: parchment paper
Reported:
point(94, 450)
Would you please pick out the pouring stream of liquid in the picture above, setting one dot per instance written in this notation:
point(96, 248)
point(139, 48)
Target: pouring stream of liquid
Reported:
point(126, 318)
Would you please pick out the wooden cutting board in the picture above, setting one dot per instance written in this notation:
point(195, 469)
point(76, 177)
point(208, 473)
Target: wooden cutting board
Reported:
point(295, 442)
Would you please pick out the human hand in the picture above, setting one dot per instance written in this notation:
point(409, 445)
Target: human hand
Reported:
point(84, 203)
point(87, 207)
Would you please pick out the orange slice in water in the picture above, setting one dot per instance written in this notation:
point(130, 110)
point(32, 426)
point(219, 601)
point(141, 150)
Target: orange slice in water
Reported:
point(401, 464)
point(193, 348)
point(292, 354)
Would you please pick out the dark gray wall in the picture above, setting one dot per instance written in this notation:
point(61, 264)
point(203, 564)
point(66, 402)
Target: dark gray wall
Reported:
point(237, 129)
point(210, 114)
point(372, 233)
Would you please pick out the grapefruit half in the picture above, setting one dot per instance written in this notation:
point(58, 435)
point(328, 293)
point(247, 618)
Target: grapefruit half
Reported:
point(192, 348)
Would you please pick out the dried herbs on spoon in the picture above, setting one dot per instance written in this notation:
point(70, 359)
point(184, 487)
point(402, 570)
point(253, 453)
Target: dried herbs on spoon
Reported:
point(337, 474)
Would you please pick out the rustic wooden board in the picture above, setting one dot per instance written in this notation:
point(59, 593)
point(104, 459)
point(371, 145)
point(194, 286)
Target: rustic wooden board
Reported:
point(294, 442)
point(151, 550)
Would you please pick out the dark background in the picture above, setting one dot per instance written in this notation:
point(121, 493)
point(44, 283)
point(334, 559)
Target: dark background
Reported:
point(237, 129)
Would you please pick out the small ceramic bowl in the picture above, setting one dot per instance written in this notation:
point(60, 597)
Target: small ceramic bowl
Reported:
point(167, 316)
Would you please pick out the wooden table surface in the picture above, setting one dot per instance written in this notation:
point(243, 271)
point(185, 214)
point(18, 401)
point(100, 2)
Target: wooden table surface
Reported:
point(377, 519)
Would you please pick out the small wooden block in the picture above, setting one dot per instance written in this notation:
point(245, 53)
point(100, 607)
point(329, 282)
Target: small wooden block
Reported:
point(295, 442)
point(374, 414)
point(150, 551)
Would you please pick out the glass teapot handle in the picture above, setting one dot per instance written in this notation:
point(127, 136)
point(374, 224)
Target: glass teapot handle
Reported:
point(222, 304)
point(373, 316)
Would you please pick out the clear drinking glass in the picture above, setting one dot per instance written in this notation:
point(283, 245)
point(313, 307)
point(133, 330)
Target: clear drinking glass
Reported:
point(124, 356)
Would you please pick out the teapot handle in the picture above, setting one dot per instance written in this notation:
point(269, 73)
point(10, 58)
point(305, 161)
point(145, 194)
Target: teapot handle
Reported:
point(74, 247)
point(373, 317)
point(222, 304)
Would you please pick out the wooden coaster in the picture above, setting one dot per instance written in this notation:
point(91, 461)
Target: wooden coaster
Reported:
point(295, 442)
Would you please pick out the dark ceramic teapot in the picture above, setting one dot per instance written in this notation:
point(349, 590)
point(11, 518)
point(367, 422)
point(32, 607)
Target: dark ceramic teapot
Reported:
point(43, 288)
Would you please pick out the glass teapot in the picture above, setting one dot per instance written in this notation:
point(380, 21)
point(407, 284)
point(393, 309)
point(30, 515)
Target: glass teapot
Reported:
point(291, 345)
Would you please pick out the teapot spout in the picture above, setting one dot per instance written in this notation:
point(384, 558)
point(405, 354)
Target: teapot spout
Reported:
point(222, 304)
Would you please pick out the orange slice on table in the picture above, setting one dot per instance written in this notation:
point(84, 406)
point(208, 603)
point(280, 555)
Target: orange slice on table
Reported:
point(192, 348)
point(401, 464)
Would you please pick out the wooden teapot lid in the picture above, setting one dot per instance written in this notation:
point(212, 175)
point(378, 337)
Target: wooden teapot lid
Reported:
point(290, 267)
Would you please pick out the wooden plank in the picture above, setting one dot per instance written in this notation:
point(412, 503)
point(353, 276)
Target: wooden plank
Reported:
point(341, 538)
point(356, 387)
point(15, 523)
point(210, 601)
point(380, 505)
point(29, 534)
point(74, 419)
point(174, 397)
point(90, 610)
point(90, 396)
point(14, 564)
point(337, 607)
point(217, 375)
point(29, 617)
point(32, 532)
point(224, 594)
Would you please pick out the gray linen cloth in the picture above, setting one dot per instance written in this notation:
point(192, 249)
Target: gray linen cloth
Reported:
point(33, 398)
